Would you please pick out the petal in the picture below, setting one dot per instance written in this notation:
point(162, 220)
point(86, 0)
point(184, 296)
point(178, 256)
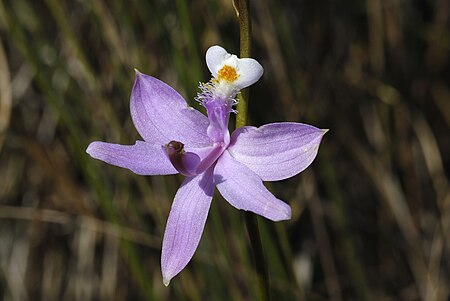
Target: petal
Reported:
point(276, 151)
point(218, 116)
point(141, 158)
point(161, 115)
point(215, 58)
point(186, 223)
point(243, 189)
point(248, 69)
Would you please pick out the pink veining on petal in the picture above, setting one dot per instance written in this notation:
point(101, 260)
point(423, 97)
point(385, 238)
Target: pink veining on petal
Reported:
point(186, 223)
point(141, 158)
point(276, 151)
point(243, 189)
point(160, 114)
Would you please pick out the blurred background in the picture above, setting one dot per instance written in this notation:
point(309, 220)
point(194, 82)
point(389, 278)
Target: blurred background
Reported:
point(371, 216)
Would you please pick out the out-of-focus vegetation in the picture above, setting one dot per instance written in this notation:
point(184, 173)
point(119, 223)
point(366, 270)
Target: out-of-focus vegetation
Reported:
point(370, 216)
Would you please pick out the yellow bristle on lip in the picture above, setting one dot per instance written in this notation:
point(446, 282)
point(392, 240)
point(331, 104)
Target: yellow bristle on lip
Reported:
point(227, 73)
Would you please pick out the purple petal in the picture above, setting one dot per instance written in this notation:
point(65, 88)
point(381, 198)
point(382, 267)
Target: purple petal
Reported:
point(276, 151)
point(161, 115)
point(218, 116)
point(186, 223)
point(141, 158)
point(243, 189)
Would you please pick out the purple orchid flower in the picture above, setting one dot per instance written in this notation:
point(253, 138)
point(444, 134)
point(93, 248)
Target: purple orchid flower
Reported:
point(179, 139)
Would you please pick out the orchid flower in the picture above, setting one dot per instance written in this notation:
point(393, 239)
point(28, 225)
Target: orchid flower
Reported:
point(180, 139)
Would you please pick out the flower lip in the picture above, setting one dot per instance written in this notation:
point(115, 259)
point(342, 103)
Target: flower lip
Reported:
point(248, 70)
point(227, 73)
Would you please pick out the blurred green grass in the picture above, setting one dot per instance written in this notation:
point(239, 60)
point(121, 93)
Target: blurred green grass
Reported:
point(370, 216)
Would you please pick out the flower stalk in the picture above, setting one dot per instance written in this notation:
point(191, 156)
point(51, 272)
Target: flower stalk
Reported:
point(251, 221)
point(245, 49)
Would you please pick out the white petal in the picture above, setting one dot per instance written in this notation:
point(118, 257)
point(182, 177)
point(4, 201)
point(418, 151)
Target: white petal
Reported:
point(215, 58)
point(249, 70)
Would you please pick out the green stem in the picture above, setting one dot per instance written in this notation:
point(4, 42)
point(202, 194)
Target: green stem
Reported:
point(243, 12)
point(245, 31)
